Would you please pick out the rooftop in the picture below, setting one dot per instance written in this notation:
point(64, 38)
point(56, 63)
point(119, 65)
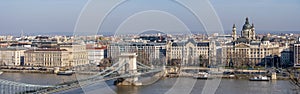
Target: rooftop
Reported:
point(46, 49)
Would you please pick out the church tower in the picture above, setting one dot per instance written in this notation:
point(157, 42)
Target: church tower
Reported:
point(234, 33)
point(253, 32)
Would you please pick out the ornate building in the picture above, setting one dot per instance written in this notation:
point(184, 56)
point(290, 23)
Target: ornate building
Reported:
point(247, 32)
point(191, 52)
point(247, 50)
point(77, 53)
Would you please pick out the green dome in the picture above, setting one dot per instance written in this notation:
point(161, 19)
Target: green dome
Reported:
point(247, 24)
point(265, 38)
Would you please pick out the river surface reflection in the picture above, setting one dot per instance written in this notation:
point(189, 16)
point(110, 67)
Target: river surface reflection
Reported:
point(180, 85)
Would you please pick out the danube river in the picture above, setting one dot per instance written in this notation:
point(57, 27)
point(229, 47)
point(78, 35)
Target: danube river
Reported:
point(166, 85)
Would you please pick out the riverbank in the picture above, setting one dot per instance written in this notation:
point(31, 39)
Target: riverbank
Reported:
point(27, 71)
point(187, 85)
point(225, 84)
point(236, 76)
point(182, 74)
point(24, 69)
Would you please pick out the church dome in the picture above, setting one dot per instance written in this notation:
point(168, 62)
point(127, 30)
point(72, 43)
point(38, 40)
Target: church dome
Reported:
point(265, 38)
point(247, 24)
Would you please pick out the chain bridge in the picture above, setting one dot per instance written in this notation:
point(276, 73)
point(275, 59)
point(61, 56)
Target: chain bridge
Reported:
point(127, 68)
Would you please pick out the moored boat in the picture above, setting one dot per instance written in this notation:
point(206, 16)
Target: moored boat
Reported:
point(65, 73)
point(202, 75)
point(1, 72)
point(259, 78)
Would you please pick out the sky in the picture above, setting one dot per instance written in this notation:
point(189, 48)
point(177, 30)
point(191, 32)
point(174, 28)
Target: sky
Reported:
point(60, 16)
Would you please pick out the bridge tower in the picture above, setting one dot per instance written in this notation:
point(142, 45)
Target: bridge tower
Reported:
point(129, 68)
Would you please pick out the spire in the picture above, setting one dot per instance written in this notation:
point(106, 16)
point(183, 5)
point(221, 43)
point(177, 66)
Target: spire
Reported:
point(22, 33)
point(252, 25)
point(247, 20)
point(234, 32)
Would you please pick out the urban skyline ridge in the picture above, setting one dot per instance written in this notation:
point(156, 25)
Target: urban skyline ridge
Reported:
point(149, 46)
point(150, 32)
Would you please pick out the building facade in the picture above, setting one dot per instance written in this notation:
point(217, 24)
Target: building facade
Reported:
point(95, 54)
point(51, 57)
point(77, 53)
point(146, 52)
point(286, 58)
point(11, 56)
point(247, 50)
point(296, 51)
point(190, 52)
point(242, 54)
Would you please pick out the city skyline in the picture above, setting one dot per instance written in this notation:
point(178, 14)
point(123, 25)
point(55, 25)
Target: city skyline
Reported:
point(149, 46)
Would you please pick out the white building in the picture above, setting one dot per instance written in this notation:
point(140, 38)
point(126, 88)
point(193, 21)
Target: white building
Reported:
point(147, 52)
point(296, 50)
point(95, 54)
point(11, 56)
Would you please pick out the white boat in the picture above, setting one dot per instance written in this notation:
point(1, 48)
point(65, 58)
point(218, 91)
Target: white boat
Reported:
point(65, 72)
point(259, 78)
point(231, 76)
point(1, 72)
point(202, 75)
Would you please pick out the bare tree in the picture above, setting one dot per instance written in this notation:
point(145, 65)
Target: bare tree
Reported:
point(106, 62)
point(143, 57)
point(175, 62)
point(240, 58)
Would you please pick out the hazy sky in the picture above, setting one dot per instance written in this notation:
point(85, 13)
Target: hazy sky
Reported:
point(53, 16)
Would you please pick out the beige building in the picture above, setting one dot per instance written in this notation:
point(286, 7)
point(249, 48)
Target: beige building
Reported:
point(11, 56)
point(50, 57)
point(247, 50)
point(77, 53)
point(191, 52)
point(241, 54)
point(65, 55)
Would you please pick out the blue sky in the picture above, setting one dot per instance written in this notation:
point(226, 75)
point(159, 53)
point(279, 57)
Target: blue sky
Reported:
point(52, 16)
point(267, 15)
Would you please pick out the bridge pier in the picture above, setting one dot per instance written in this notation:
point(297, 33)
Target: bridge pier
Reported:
point(129, 68)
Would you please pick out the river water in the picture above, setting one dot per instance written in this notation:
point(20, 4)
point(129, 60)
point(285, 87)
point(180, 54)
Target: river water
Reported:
point(163, 86)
